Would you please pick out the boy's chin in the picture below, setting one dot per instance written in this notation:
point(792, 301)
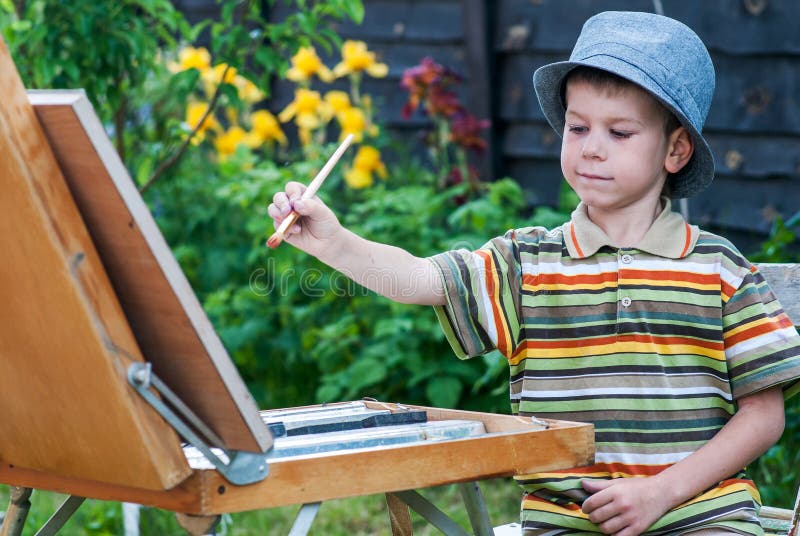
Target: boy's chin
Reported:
point(594, 198)
point(607, 201)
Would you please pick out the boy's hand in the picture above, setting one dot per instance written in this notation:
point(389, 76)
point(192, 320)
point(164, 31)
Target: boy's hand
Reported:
point(318, 226)
point(625, 506)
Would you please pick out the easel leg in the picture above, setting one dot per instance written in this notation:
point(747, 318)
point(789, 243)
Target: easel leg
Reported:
point(399, 516)
point(197, 525)
point(18, 506)
point(305, 517)
point(61, 516)
point(130, 518)
point(431, 513)
point(476, 509)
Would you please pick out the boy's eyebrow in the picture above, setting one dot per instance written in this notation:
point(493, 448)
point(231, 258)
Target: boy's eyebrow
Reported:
point(608, 119)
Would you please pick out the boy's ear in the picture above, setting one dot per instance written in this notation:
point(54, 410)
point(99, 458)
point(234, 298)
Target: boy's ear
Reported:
point(679, 150)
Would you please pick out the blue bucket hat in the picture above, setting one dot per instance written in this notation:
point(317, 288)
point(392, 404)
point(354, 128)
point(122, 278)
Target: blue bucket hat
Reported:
point(662, 56)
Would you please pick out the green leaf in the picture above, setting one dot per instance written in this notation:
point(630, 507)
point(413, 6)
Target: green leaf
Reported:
point(354, 10)
point(230, 92)
point(328, 393)
point(365, 373)
point(444, 391)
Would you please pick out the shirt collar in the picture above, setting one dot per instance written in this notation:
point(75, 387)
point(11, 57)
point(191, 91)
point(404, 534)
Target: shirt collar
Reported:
point(669, 235)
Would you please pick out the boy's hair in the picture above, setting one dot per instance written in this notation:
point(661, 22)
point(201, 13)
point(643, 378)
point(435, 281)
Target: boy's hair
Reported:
point(606, 81)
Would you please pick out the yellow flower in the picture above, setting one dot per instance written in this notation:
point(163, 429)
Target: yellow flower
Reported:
point(356, 58)
point(354, 121)
point(213, 77)
point(232, 115)
point(227, 142)
point(306, 64)
point(304, 135)
point(266, 125)
point(194, 58)
point(338, 100)
point(194, 113)
point(248, 91)
point(253, 139)
point(357, 178)
point(368, 158)
point(305, 109)
point(367, 161)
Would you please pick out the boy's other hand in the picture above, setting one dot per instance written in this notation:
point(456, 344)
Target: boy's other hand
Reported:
point(624, 506)
point(317, 226)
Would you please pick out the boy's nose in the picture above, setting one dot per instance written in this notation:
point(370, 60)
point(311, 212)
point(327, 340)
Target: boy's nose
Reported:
point(592, 148)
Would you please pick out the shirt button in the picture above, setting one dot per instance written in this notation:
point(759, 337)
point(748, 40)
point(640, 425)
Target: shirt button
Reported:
point(626, 302)
point(626, 259)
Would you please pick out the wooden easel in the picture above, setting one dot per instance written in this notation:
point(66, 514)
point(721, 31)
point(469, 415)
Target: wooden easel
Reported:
point(99, 328)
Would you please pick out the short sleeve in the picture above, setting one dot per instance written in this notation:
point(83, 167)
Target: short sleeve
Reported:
point(762, 346)
point(483, 297)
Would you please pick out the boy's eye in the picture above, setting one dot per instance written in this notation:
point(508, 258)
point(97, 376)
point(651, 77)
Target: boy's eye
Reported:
point(577, 129)
point(621, 134)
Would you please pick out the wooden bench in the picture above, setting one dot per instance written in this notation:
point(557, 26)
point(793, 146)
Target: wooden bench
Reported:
point(784, 279)
point(785, 282)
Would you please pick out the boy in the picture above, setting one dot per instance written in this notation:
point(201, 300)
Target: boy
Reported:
point(660, 334)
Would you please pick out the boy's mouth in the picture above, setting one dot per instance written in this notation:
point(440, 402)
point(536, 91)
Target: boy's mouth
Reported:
point(592, 176)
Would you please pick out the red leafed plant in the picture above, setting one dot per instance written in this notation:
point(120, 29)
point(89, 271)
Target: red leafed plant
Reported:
point(431, 90)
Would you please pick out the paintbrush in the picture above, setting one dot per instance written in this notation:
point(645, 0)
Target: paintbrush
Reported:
point(278, 236)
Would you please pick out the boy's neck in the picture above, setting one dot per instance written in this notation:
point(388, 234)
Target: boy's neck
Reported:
point(626, 228)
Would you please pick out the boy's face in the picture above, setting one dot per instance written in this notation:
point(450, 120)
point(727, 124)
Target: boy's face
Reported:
point(614, 146)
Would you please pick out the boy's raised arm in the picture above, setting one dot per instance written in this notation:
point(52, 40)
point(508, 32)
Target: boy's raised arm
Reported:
point(387, 270)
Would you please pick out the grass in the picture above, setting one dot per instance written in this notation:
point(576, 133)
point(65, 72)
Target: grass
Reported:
point(358, 516)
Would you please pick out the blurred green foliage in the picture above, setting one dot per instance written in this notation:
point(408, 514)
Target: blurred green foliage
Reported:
point(778, 247)
point(109, 49)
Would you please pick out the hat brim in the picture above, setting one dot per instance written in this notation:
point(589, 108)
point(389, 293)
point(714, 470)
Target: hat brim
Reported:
point(547, 81)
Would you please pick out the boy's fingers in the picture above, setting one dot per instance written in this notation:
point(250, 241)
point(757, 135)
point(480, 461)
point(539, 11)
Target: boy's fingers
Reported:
point(294, 190)
point(274, 212)
point(593, 486)
point(281, 201)
point(597, 500)
point(303, 206)
point(608, 519)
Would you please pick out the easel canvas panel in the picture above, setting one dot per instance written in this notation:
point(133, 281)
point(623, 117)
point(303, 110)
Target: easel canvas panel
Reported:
point(65, 406)
point(166, 318)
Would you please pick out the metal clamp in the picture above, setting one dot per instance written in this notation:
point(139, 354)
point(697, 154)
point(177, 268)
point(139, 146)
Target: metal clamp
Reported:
point(240, 468)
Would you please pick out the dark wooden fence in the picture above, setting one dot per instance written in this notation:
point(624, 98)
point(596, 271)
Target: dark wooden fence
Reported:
point(753, 126)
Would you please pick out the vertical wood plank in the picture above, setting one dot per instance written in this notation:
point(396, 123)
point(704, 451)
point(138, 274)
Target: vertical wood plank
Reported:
point(784, 280)
point(477, 44)
point(399, 516)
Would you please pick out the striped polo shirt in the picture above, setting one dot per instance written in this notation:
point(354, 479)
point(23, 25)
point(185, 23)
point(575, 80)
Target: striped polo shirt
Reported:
point(652, 344)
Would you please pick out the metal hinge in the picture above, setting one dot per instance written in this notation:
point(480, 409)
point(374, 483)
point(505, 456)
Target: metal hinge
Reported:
point(238, 467)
